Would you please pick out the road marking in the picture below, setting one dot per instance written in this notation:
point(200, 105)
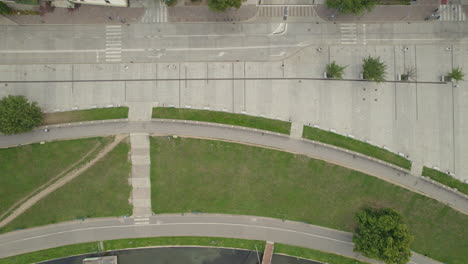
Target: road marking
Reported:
point(113, 51)
point(452, 13)
point(220, 54)
point(178, 224)
point(157, 56)
point(278, 55)
point(348, 33)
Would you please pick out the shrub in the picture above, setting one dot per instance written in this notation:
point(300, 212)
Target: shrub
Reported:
point(4, 9)
point(355, 7)
point(335, 71)
point(457, 74)
point(222, 5)
point(17, 115)
point(170, 2)
point(374, 69)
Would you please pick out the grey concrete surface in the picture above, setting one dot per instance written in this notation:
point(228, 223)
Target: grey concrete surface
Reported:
point(140, 180)
point(213, 225)
point(426, 120)
point(334, 155)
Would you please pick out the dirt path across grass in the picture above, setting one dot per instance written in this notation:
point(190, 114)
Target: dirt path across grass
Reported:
point(49, 182)
point(62, 181)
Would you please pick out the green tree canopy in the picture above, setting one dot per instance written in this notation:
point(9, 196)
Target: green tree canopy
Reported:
point(17, 115)
point(222, 5)
point(374, 69)
point(381, 234)
point(355, 7)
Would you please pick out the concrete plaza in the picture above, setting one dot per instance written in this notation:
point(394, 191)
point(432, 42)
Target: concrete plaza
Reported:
point(426, 120)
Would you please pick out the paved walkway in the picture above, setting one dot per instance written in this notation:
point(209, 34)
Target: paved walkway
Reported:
point(59, 183)
point(316, 150)
point(85, 14)
point(141, 183)
point(296, 129)
point(213, 225)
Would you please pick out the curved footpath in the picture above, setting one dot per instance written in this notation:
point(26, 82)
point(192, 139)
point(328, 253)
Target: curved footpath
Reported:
point(214, 225)
point(282, 142)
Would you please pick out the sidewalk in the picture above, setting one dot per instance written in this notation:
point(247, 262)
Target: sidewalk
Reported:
point(204, 14)
point(381, 13)
point(86, 14)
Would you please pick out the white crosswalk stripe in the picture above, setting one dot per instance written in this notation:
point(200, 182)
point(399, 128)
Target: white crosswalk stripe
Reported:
point(348, 33)
point(141, 221)
point(293, 11)
point(113, 43)
point(156, 13)
point(452, 13)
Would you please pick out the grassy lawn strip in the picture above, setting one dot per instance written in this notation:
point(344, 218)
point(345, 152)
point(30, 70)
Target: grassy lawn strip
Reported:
point(185, 241)
point(28, 167)
point(253, 245)
point(314, 255)
point(101, 191)
point(219, 177)
point(85, 115)
point(27, 2)
point(223, 118)
point(52, 253)
point(331, 138)
point(445, 179)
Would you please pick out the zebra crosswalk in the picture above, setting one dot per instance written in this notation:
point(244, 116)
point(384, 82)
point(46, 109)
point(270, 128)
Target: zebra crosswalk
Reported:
point(113, 43)
point(452, 13)
point(155, 14)
point(281, 10)
point(348, 33)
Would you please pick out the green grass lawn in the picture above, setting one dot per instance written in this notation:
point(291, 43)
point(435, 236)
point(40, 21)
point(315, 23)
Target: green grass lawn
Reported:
point(218, 177)
point(26, 168)
point(174, 241)
point(445, 179)
point(102, 190)
point(52, 253)
point(331, 138)
point(184, 241)
point(85, 115)
point(314, 254)
point(223, 118)
point(27, 2)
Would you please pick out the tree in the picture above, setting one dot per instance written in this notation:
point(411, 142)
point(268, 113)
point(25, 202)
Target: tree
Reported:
point(374, 69)
point(355, 7)
point(457, 74)
point(170, 2)
point(222, 5)
point(17, 115)
point(4, 9)
point(381, 234)
point(335, 71)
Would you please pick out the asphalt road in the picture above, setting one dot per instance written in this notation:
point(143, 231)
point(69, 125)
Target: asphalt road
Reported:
point(202, 41)
point(340, 157)
point(214, 225)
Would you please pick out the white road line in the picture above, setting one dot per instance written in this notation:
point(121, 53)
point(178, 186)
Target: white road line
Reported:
point(113, 60)
point(113, 56)
point(141, 223)
point(178, 224)
point(114, 52)
point(141, 219)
